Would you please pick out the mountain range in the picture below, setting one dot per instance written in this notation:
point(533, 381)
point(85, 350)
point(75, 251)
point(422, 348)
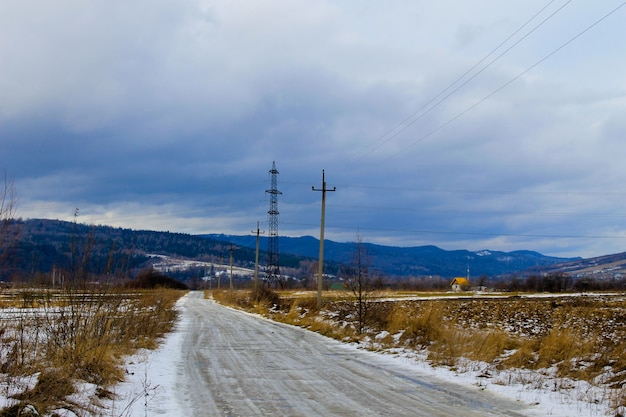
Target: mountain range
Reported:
point(42, 245)
point(409, 261)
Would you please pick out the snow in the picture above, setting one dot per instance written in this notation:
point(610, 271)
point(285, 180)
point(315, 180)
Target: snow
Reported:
point(169, 264)
point(549, 396)
point(151, 386)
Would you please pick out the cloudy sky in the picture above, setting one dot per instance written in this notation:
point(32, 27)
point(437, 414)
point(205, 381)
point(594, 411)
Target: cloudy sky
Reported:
point(466, 125)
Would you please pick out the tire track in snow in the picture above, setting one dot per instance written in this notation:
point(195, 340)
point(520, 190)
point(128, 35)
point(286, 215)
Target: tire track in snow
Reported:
point(238, 364)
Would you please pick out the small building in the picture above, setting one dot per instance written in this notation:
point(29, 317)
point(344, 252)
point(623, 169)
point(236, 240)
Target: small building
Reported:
point(460, 284)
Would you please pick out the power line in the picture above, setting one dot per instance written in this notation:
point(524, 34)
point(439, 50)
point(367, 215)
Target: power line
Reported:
point(503, 86)
point(470, 191)
point(412, 119)
point(478, 191)
point(484, 212)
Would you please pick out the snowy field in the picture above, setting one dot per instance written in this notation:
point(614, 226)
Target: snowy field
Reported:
point(52, 343)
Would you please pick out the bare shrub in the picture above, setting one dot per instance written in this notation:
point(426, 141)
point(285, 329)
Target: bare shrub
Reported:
point(378, 314)
point(357, 278)
point(264, 295)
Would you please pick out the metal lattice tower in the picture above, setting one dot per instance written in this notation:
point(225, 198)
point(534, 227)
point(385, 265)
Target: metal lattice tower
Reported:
point(272, 273)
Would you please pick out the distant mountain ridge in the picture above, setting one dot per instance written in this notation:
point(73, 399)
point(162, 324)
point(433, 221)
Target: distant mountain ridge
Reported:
point(44, 245)
point(409, 261)
point(605, 267)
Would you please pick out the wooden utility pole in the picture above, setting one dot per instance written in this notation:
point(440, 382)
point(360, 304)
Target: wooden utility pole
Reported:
point(320, 268)
point(219, 276)
point(231, 267)
point(256, 259)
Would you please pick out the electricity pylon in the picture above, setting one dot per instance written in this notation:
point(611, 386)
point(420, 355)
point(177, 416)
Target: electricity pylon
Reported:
point(272, 273)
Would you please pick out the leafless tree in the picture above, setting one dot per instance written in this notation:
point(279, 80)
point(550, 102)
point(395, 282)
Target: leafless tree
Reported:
point(8, 206)
point(357, 279)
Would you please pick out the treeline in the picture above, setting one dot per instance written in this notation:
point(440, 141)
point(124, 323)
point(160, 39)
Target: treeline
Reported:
point(149, 279)
point(55, 250)
point(562, 282)
point(42, 250)
point(49, 251)
point(550, 283)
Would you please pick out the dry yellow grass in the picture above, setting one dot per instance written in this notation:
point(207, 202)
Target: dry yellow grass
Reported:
point(80, 336)
point(577, 337)
point(581, 336)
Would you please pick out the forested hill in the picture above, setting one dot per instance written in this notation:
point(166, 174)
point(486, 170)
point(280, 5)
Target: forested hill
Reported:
point(39, 245)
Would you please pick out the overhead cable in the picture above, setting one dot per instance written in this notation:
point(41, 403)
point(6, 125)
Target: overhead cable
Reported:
point(503, 86)
point(414, 117)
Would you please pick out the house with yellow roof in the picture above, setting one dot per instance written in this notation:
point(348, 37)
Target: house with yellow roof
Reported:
point(460, 284)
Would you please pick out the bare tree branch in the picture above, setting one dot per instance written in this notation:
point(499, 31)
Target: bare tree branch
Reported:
point(8, 207)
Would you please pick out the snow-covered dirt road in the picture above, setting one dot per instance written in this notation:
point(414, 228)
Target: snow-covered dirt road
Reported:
point(235, 364)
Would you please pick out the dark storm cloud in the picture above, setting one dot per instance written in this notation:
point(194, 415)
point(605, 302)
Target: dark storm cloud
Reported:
point(168, 115)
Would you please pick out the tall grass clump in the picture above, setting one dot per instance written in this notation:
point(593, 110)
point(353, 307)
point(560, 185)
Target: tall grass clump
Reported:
point(265, 296)
point(302, 311)
point(559, 346)
point(420, 325)
point(260, 300)
point(80, 337)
